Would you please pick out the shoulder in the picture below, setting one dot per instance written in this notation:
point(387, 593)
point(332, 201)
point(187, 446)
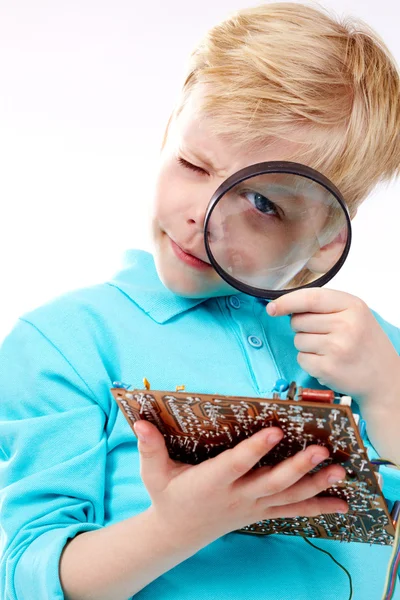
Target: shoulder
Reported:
point(78, 318)
point(88, 315)
point(75, 338)
point(66, 341)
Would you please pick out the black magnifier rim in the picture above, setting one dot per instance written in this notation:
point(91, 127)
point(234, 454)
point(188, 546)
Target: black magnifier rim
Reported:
point(264, 168)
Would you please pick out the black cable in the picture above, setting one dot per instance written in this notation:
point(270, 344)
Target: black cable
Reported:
point(334, 560)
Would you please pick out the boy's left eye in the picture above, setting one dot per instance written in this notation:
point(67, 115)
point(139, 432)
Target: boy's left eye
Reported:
point(188, 165)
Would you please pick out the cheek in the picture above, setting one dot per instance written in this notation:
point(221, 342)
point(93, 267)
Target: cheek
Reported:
point(166, 200)
point(252, 256)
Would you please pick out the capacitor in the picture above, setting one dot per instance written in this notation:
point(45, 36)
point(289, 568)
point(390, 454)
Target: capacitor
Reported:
point(291, 391)
point(350, 474)
point(345, 400)
point(281, 385)
point(121, 384)
point(308, 395)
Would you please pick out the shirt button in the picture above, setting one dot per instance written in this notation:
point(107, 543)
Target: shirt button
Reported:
point(254, 341)
point(234, 301)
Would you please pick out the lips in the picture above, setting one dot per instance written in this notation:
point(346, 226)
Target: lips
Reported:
point(188, 258)
point(191, 254)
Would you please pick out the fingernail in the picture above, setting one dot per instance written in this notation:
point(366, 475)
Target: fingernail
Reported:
point(317, 458)
point(271, 309)
point(273, 438)
point(334, 479)
point(142, 438)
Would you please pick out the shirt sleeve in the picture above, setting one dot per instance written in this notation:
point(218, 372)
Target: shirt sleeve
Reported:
point(390, 475)
point(52, 463)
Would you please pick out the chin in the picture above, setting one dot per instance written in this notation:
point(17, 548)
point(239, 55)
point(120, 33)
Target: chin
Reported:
point(183, 281)
point(182, 284)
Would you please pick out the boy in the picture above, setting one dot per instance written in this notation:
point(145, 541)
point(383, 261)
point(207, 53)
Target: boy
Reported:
point(82, 516)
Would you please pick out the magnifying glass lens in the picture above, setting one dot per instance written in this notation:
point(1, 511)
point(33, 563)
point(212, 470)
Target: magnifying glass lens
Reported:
point(276, 231)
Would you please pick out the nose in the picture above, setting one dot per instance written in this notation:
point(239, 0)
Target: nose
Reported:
point(215, 229)
point(195, 214)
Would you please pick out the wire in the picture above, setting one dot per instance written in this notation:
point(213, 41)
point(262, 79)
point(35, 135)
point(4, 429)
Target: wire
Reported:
point(334, 560)
point(393, 567)
point(383, 461)
point(394, 563)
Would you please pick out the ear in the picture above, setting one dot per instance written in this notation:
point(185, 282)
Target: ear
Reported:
point(327, 256)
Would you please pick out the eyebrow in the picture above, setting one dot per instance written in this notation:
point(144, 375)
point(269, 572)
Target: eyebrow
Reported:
point(200, 157)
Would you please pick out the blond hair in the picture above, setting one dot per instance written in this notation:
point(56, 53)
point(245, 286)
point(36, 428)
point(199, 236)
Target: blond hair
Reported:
point(294, 72)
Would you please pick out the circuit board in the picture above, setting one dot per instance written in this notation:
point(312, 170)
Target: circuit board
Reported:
point(197, 427)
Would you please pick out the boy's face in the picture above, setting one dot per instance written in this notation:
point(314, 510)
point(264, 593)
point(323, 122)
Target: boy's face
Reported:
point(183, 192)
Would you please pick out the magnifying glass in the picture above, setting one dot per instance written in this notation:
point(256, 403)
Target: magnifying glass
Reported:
point(275, 227)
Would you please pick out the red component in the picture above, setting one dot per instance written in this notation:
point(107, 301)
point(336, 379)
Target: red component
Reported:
point(308, 395)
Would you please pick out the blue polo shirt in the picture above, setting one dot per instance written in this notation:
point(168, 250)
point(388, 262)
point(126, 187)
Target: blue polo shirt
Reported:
point(69, 460)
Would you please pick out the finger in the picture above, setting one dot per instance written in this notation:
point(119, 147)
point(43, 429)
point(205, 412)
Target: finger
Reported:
point(310, 300)
point(155, 463)
point(283, 475)
point(308, 486)
point(233, 463)
point(313, 322)
point(315, 343)
point(311, 364)
point(307, 508)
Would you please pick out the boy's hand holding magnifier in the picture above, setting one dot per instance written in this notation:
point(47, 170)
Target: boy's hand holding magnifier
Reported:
point(271, 229)
point(341, 344)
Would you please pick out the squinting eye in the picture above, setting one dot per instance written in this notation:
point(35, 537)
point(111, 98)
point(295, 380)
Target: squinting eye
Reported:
point(188, 165)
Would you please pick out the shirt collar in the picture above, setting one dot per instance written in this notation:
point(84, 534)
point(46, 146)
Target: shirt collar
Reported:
point(138, 279)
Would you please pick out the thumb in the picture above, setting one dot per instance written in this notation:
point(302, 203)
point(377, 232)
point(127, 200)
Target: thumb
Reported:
point(155, 462)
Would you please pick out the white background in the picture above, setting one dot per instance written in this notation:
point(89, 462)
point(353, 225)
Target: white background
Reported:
point(86, 88)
